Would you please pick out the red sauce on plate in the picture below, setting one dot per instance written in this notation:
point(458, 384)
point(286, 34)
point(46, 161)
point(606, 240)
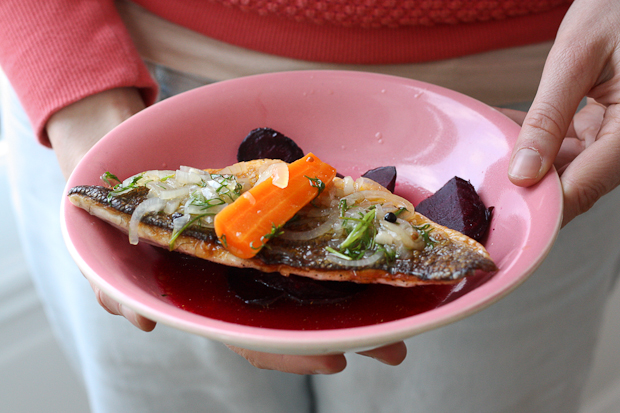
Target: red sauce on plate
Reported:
point(201, 287)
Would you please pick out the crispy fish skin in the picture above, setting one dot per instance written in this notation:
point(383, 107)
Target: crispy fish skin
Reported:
point(155, 229)
point(452, 256)
point(447, 260)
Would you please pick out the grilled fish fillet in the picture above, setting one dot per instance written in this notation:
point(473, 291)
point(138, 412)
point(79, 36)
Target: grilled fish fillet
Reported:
point(435, 254)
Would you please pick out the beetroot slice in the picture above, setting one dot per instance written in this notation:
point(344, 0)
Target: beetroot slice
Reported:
point(457, 206)
point(256, 287)
point(266, 143)
point(384, 175)
point(310, 291)
point(244, 283)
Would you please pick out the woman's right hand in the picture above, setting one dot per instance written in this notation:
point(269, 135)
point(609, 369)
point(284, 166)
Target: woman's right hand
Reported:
point(72, 131)
point(76, 128)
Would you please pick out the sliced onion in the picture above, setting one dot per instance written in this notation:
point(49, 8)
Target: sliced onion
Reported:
point(355, 212)
point(199, 210)
point(401, 236)
point(126, 184)
point(147, 206)
point(384, 237)
point(279, 174)
point(172, 206)
point(364, 262)
point(187, 177)
point(322, 229)
point(194, 171)
point(209, 193)
point(157, 187)
point(239, 168)
point(157, 174)
point(245, 182)
point(175, 193)
point(383, 196)
point(216, 185)
point(349, 185)
point(179, 222)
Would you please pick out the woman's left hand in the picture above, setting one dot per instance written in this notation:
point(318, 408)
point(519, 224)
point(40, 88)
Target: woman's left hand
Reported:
point(582, 133)
point(584, 61)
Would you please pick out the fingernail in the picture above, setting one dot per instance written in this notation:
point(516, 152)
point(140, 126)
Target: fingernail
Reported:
point(375, 357)
point(131, 316)
point(321, 372)
point(526, 164)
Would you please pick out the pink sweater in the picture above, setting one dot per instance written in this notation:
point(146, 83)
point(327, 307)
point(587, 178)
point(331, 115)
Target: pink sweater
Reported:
point(56, 52)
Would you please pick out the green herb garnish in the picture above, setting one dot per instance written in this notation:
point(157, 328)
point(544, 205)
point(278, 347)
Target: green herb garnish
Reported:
point(388, 252)
point(317, 183)
point(425, 233)
point(343, 207)
point(198, 199)
point(338, 254)
point(400, 211)
point(179, 232)
point(121, 188)
point(360, 238)
point(275, 232)
point(107, 177)
point(228, 187)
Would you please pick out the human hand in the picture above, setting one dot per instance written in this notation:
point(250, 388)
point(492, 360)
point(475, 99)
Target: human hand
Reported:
point(73, 130)
point(584, 61)
point(76, 128)
point(392, 354)
point(115, 308)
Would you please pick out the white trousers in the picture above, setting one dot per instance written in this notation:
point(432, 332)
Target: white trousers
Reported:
point(530, 352)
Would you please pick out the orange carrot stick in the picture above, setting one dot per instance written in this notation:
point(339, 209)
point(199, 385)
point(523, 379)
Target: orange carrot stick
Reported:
point(244, 226)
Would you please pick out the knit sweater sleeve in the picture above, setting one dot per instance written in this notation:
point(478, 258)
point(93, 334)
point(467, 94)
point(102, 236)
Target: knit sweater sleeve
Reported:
point(56, 52)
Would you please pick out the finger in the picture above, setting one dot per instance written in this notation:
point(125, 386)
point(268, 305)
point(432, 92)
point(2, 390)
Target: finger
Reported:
point(571, 148)
point(116, 308)
point(565, 81)
point(392, 355)
point(323, 364)
point(582, 133)
point(595, 171)
point(588, 121)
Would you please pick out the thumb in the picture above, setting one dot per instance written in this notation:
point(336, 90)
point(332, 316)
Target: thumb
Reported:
point(542, 133)
point(570, 73)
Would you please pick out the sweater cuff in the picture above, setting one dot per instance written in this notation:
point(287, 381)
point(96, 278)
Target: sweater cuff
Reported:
point(59, 51)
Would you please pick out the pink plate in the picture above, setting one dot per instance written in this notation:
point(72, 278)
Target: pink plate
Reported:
point(355, 121)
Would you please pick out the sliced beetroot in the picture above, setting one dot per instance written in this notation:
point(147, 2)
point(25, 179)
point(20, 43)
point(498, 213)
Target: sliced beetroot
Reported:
point(266, 143)
point(255, 287)
point(309, 291)
point(457, 206)
point(384, 175)
point(246, 285)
